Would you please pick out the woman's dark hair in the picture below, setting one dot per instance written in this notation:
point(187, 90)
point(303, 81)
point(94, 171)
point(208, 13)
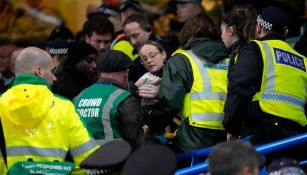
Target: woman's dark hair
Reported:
point(243, 18)
point(199, 26)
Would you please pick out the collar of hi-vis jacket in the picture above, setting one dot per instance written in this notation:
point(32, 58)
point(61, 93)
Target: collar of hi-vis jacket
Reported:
point(28, 78)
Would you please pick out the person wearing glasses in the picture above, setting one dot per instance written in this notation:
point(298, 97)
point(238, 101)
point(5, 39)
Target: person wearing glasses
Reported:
point(79, 70)
point(153, 57)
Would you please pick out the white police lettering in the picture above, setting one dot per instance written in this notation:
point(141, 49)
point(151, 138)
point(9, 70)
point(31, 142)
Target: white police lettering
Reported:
point(289, 59)
point(89, 112)
point(92, 102)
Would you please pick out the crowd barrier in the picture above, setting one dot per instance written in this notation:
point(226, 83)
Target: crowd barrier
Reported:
point(198, 167)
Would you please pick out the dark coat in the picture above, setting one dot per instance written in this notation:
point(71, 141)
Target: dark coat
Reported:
point(70, 81)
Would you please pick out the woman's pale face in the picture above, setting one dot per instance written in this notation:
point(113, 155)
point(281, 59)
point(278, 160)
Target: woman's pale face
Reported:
point(152, 58)
point(226, 35)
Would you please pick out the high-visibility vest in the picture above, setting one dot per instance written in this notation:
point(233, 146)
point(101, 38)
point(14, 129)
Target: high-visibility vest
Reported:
point(97, 106)
point(205, 103)
point(284, 81)
point(123, 45)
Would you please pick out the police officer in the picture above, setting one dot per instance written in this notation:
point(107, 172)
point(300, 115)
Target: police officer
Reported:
point(110, 111)
point(267, 85)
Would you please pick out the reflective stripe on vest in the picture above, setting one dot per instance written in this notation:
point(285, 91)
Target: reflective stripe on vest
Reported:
point(270, 93)
point(108, 131)
point(208, 117)
point(35, 151)
point(85, 147)
point(283, 98)
point(277, 98)
point(206, 94)
point(202, 110)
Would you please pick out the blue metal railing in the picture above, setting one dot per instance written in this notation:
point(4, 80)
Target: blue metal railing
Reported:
point(195, 154)
point(263, 149)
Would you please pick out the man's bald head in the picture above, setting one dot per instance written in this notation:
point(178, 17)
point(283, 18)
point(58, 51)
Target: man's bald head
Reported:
point(36, 61)
point(31, 57)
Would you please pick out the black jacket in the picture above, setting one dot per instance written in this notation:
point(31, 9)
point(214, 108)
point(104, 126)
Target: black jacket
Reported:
point(70, 81)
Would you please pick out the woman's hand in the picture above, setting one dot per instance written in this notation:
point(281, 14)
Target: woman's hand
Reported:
point(148, 91)
point(148, 78)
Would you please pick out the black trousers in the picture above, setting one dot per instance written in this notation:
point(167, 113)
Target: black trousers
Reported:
point(267, 128)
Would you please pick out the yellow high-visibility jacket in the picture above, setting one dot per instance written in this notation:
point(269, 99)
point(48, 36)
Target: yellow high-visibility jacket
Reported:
point(284, 81)
point(204, 104)
point(38, 125)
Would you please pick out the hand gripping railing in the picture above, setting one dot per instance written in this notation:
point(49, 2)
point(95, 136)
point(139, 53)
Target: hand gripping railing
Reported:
point(263, 149)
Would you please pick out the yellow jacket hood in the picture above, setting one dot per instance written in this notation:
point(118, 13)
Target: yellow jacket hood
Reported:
point(26, 105)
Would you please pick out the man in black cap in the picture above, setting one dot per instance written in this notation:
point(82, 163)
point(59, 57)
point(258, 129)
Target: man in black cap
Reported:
point(187, 9)
point(267, 84)
point(109, 110)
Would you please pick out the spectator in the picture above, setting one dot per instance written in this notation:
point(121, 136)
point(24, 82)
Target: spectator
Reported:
point(34, 22)
point(5, 73)
point(12, 59)
point(153, 57)
point(285, 166)
point(98, 32)
point(8, 15)
point(187, 9)
point(109, 110)
point(130, 7)
point(36, 124)
point(233, 159)
point(194, 82)
point(79, 70)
